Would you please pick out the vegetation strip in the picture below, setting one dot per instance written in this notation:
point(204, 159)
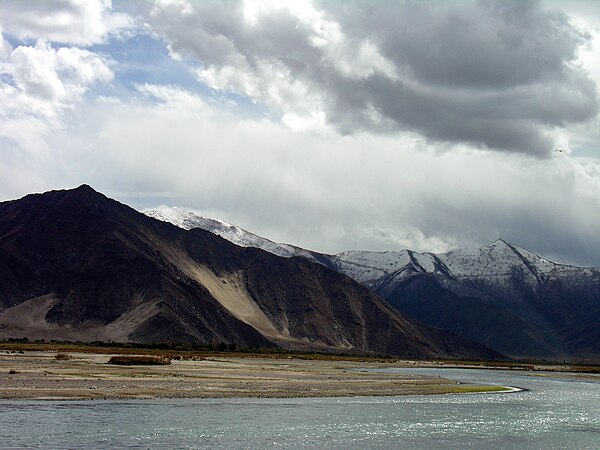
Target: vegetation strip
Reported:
point(134, 360)
point(176, 351)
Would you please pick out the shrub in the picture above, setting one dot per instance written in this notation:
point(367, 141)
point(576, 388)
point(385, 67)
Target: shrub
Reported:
point(12, 371)
point(131, 360)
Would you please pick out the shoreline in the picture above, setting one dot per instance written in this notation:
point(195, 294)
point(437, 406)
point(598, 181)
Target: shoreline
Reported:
point(38, 375)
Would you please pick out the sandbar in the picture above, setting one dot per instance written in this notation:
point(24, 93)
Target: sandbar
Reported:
point(39, 375)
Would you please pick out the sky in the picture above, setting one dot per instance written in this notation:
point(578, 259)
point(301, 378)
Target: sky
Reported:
point(332, 125)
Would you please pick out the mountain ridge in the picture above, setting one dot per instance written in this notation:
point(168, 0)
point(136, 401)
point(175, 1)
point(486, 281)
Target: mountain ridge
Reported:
point(547, 306)
point(80, 266)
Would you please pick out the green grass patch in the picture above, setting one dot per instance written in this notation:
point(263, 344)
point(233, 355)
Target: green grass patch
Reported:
point(467, 388)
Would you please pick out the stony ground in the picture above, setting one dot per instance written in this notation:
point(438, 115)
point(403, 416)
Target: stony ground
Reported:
point(39, 375)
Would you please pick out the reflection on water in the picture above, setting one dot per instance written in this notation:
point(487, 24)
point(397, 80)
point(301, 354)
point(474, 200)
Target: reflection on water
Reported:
point(552, 413)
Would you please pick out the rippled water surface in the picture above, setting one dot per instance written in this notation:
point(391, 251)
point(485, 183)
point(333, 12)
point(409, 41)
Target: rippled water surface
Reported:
point(552, 413)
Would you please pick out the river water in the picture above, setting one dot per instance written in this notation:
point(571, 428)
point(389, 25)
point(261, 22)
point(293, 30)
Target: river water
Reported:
point(551, 413)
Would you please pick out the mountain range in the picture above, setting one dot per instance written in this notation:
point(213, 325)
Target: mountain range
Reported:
point(500, 295)
point(76, 265)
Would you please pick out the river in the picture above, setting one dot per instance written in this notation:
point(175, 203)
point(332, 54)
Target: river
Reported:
point(550, 413)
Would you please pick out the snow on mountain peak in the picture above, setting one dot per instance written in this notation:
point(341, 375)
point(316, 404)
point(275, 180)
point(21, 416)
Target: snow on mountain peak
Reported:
point(478, 261)
point(497, 262)
point(185, 218)
point(188, 219)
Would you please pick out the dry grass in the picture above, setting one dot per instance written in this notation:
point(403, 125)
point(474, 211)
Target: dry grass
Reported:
point(139, 360)
point(174, 353)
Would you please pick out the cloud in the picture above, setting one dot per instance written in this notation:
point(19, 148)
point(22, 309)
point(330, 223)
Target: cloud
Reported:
point(44, 72)
point(368, 131)
point(5, 47)
point(41, 81)
point(38, 85)
point(78, 22)
point(319, 189)
point(498, 75)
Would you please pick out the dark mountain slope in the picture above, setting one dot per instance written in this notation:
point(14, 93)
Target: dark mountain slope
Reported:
point(474, 318)
point(500, 295)
point(76, 264)
point(92, 255)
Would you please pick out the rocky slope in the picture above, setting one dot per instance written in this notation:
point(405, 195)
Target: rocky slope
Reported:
point(500, 295)
point(75, 264)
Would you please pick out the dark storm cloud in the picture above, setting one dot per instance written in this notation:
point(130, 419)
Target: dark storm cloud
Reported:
point(501, 75)
point(467, 44)
point(498, 74)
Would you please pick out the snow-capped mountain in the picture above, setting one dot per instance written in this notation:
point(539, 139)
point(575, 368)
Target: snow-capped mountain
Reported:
point(496, 264)
point(501, 295)
point(188, 219)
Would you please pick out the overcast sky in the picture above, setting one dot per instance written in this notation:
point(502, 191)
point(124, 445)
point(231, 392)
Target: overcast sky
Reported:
point(332, 125)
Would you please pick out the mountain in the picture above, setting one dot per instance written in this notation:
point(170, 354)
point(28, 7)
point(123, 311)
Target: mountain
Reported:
point(187, 219)
point(75, 264)
point(500, 295)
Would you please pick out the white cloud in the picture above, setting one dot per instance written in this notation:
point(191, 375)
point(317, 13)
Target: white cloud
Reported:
point(79, 22)
point(178, 100)
point(325, 191)
point(273, 84)
point(5, 47)
point(38, 85)
point(42, 81)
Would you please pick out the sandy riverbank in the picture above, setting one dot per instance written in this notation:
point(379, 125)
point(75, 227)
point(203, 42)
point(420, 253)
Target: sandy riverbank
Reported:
point(38, 375)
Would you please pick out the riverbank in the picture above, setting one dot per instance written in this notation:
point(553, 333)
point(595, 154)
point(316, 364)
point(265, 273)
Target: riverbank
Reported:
point(78, 375)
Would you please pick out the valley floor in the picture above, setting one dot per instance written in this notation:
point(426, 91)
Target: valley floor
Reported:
point(40, 375)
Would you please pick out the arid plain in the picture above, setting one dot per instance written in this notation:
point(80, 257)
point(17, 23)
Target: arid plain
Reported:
point(40, 375)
